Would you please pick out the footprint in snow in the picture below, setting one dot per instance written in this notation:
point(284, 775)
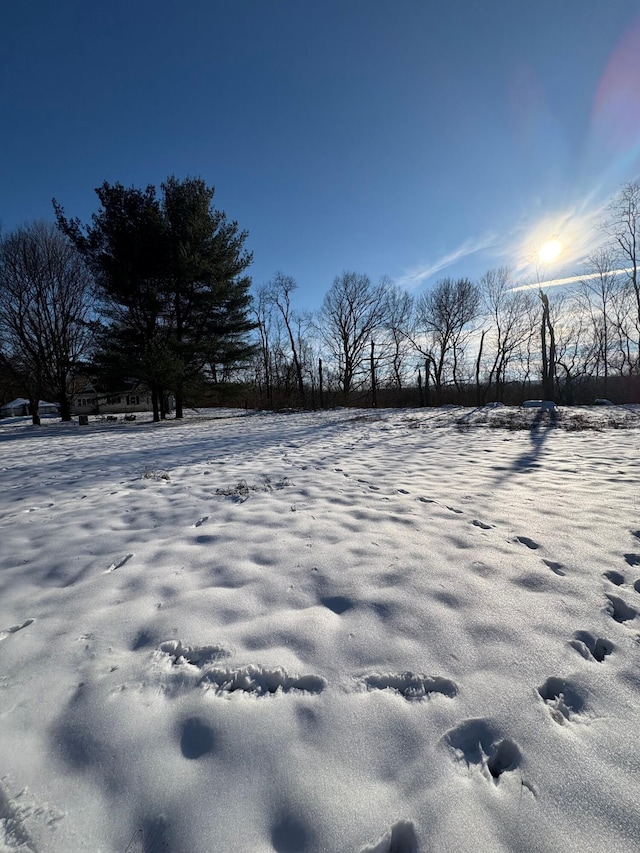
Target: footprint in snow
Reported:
point(476, 743)
point(117, 564)
point(453, 509)
point(481, 524)
point(196, 738)
point(563, 699)
point(200, 521)
point(338, 604)
point(590, 646)
point(259, 681)
point(632, 559)
point(36, 508)
point(556, 568)
point(150, 838)
point(620, 610)
point(401, 838)
point(615, 577)
point(524, 540)
point(252, 680)
point(411, 685)
point(14, 629)
point(195, 655)
point(636, 585)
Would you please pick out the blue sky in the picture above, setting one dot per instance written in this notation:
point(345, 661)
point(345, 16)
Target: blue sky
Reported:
point(408, 139)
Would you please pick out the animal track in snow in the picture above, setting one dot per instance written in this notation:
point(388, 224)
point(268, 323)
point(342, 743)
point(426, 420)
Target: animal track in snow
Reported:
point(563, 699)
point(200, 521)
point(259, 681)
point(620, 610)
point(590, 646)
point(117, 564)
point(401, 838)
point(40, 506)
point(195, 655)
point(556, 568)
point(13, 834)
point(410, 685)
point(196, 738)
point(636, 585)
point(338, 604)
point(151, 838)
point(476, 742)
point(454, 509)
point(632, 559)
point(481, 524)
point(15, 628)
point(524, 540)
point(615, 577)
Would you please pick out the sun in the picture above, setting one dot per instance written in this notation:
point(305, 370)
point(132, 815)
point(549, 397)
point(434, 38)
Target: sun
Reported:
point(550, 251)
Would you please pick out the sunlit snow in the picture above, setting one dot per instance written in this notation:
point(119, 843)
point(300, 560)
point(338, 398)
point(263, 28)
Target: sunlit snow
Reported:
point(407, 630)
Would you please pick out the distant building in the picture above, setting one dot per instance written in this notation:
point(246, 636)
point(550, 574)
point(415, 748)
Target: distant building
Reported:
point(20, 408)
point(135, 397)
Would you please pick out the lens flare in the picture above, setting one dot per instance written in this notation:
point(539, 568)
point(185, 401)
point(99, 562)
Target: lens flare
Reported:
point(550, 251)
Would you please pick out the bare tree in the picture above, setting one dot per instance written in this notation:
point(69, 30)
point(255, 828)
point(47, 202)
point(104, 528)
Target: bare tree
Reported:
point(352, 312)
point(623, 225)
point(547, 348)
point(575, 347)
point(398, 322)
point(505, 311)
point(599, 292)
point(45, 301)
point(443, 323)
point(279, 292)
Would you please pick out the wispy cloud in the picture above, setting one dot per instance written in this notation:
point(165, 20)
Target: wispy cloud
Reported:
point(418, 275)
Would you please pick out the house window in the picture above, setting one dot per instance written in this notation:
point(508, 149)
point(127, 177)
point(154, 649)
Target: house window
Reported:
point(133, 400)
point(114, 401)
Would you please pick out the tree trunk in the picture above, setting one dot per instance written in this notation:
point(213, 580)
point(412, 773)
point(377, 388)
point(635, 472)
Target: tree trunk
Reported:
point(427, 390)
point(65, 409)
point(154, 403)
point(374, 390)
point(479, 392)
point(33, 409)
point(320, 388)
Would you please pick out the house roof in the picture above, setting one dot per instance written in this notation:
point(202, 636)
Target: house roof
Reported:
point(22, 401)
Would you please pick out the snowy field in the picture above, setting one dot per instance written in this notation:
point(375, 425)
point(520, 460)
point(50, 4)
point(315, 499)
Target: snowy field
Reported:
point(407, 630)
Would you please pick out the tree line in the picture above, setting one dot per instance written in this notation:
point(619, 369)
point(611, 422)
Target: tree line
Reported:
point(460, 341)
point(155, 287)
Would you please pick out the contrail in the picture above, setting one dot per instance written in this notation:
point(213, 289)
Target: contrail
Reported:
point(554, 282)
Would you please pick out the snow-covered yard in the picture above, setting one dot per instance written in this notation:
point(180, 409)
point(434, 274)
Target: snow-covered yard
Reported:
point(339, 631)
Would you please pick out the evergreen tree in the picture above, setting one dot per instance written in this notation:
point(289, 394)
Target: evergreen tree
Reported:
point(171, 271)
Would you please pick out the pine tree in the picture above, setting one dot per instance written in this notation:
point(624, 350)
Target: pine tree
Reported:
point(171, 272)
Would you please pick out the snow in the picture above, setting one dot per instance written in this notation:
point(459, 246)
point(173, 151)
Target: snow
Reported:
point(342, 631)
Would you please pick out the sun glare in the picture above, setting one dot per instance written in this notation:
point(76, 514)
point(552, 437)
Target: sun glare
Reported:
point(550, 251)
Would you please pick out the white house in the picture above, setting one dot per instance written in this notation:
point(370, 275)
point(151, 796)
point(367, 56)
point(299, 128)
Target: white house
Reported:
point(20, 407)
point(136, 398)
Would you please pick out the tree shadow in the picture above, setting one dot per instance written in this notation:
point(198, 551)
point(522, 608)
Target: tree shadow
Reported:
point(542, 425)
